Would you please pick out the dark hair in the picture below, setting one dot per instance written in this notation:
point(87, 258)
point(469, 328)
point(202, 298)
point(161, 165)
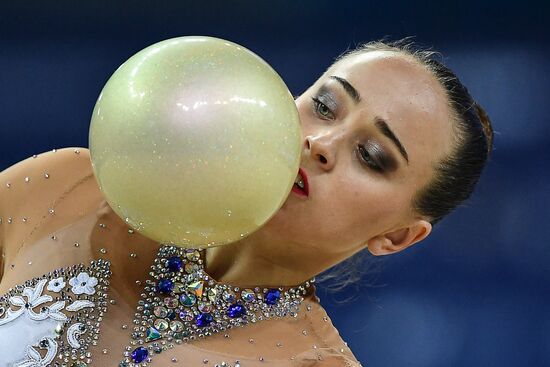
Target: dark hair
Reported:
point(456, 175)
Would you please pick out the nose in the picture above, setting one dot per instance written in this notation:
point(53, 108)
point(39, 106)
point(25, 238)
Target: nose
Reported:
point(319, 149)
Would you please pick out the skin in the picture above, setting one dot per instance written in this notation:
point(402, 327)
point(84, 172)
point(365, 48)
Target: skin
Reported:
point(351, 206)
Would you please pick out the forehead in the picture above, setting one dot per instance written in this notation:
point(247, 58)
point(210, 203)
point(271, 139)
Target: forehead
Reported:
point(404, 93)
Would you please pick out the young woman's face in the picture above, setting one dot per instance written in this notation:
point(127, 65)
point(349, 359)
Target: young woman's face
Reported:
point(372, 128)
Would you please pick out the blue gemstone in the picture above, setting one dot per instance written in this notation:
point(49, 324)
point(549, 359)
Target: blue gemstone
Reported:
point(272, 296)
point(174, 263)
point(204, 319)
point(165, 286)
point(139, 354)
point(236, 310)
point(171, 315)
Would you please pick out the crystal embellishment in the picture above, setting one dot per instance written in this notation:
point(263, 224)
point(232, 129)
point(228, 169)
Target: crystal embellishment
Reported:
point(174, 263)
point(160, 312)
point(188, 300)
point(185, 305)
point(204, 319)
point(139, 354)
point(186, 315)
point(165, 286)
point(196, 287)
point(236, 310)
point(248, 295)
point(212, 294)
point(152, 334)
point(272, 296)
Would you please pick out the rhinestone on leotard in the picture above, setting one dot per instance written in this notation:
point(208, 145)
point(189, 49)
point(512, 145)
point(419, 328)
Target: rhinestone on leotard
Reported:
point(184, 303)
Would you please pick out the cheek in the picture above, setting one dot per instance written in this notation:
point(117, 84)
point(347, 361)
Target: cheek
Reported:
point(367, 210)
point(353, 214)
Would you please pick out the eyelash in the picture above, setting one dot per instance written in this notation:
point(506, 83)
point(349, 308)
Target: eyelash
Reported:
point(367, 159)
point(317, 104)
point(363, 153)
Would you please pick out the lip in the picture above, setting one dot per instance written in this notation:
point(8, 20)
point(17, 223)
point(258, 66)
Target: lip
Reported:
point(297, 190)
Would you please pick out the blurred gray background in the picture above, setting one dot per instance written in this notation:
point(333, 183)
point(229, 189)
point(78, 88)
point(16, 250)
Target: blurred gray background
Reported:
point(476, 293)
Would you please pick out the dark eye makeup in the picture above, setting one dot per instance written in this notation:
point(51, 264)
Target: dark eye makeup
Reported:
point(325, 106)
point(375, 157)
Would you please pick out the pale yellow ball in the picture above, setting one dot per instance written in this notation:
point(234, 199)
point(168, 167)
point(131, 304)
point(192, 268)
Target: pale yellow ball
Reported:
point(195, 141)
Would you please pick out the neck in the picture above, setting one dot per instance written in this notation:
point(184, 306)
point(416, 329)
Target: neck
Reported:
point(262, 259)
point(252, 261)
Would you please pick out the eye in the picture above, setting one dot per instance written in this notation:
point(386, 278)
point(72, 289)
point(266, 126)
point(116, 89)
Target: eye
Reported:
point(321, 109)
point(367, 159)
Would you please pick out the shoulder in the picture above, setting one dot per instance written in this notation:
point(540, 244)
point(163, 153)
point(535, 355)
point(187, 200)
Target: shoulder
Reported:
point(40, 178)
point(65, 165)
point(39, 165)
point(32, 187)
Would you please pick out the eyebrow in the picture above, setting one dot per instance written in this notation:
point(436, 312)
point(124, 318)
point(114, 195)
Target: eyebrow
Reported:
point(353, 93)
point(380, 123)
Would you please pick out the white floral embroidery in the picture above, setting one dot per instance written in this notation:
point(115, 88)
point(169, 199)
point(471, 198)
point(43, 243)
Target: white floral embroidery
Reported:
point(34, 359)
point(73, 332)
point(29, 319)
point(34, 298)
point(55, 285)
point(79, 304)
point(83, 283)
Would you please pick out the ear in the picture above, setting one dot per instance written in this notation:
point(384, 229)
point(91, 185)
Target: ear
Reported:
point(399, 239)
